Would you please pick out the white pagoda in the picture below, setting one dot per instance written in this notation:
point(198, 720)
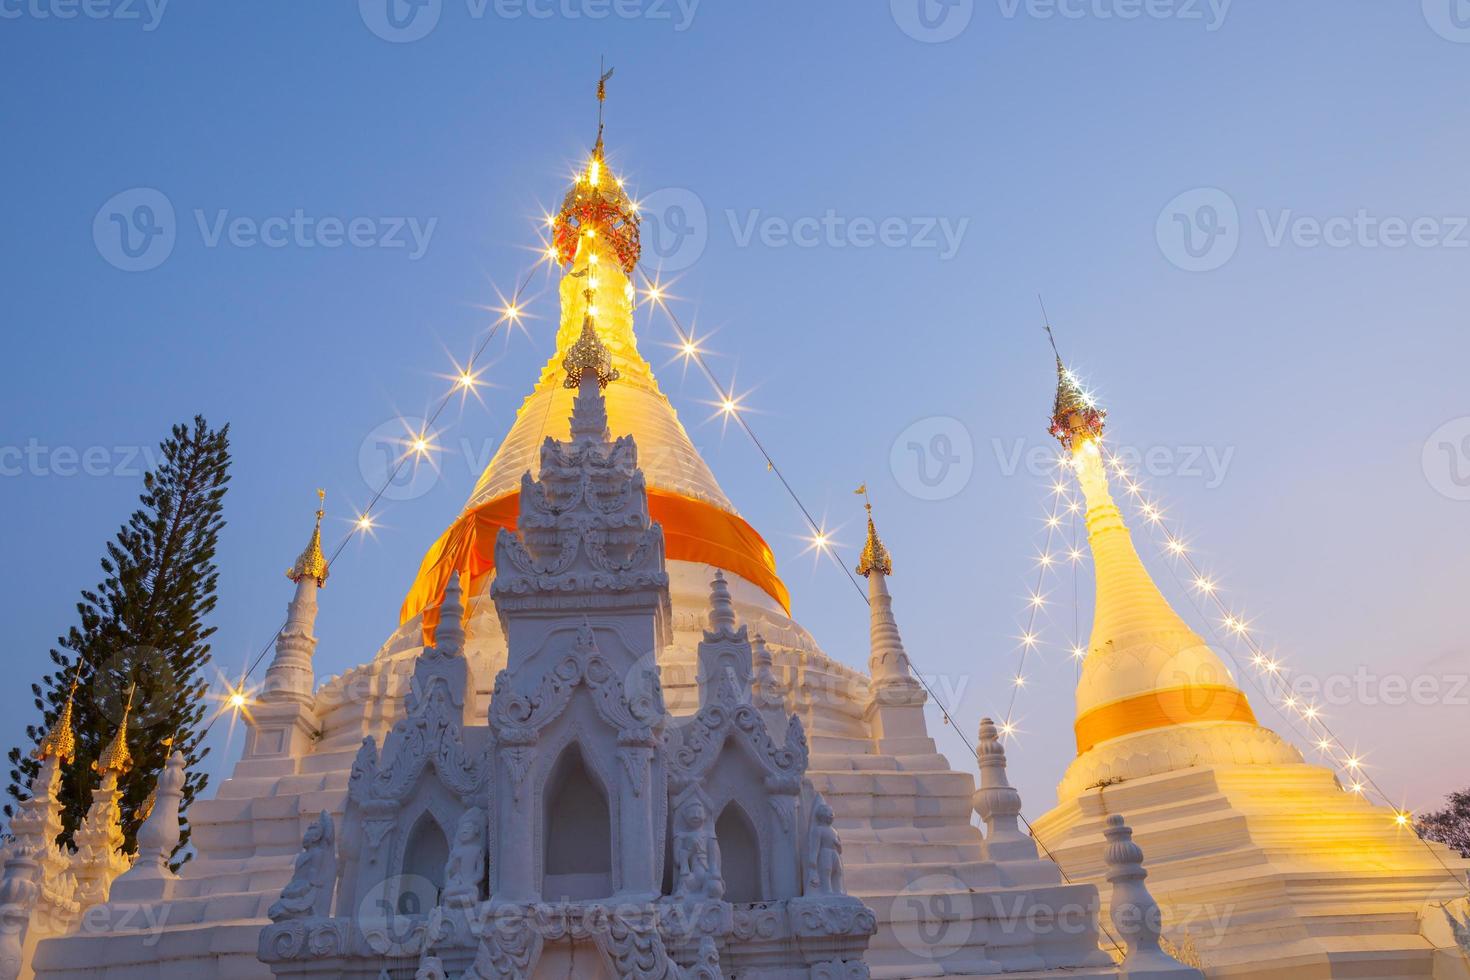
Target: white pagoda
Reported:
point(1264, 864)
point(599, 745)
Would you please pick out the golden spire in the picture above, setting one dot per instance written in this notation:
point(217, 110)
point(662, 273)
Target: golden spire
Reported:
point(60, 742)
point(116, 757)
point(1075, 416)
point(875, 556)
point(312, 563)
point(598, 207)
point(589, 354)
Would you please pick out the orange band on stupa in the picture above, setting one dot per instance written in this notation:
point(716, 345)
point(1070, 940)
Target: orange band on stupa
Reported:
point(694, 531)
point(1162, 709)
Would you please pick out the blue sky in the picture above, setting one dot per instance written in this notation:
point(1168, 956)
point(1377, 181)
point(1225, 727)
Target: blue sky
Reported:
point(1248, 222)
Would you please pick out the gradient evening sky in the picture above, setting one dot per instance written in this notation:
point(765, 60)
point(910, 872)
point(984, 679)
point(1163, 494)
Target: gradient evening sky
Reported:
point(1291, 392)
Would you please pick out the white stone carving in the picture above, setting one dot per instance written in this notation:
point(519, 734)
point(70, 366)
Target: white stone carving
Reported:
point(309, 893)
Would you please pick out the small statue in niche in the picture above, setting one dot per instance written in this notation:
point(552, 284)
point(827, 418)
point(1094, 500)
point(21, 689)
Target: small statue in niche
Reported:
point(466, 865)
point(696, 854)
point(309, 893)
point(823, 853)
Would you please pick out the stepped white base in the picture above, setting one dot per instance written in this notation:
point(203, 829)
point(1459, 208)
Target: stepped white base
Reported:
point(1273, 871)
point(945, 908)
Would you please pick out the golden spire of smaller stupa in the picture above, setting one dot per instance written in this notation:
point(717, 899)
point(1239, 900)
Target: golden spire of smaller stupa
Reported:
point(1075, 415)
point(60, 742)
point(312, 563)
point(875, 556)
point(589, 354)
point(116, 758)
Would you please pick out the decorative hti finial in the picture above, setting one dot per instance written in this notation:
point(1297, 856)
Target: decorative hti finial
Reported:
point(116, 758)
point(60, 742)
point(589, 354)
point(875, 557)
point(597, 207)
point(312, 563)
point(1075, 416)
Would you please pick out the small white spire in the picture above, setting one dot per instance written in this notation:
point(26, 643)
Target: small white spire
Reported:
point(721, 608)
point(1135, 914)
point(449, 633)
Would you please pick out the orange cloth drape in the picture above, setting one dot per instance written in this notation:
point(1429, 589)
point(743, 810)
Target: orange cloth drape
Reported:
point(1162, 709)
point(694, 531)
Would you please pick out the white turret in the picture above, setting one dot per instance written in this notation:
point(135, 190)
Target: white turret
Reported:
point(895, 708)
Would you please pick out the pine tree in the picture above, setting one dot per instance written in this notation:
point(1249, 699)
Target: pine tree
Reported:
point(142, 633)
point(1451, 825)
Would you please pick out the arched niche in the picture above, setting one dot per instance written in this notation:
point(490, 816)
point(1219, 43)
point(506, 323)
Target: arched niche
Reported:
point(740, 856)
point(577, 840)
point(424, 855)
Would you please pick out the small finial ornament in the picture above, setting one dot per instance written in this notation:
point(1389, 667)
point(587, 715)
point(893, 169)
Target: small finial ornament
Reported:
point(60, 743)
point(589, 354)
point(116, 758)
point(312, 563)
point(875, 557)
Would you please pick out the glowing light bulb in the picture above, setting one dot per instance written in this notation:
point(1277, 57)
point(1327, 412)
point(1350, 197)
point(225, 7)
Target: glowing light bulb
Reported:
point(421, 445)
point(1357, 788)
point(1020, 681)
point(238, 701)
point(655, 293)
point(1401, 818)
point(466, 379)
point(1037, 601)
point(1354, 763)
point(1029, 639)
point(728, 406)
point(1079, 653)
point(365, 522)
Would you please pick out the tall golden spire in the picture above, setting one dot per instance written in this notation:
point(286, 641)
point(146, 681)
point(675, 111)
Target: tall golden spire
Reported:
point(312, 563)
point(116, 758)
point(60, 742)
point(875, 556)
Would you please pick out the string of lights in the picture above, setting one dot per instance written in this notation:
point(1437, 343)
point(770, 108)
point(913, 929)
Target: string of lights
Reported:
point(1270, 676)
point(419, 448)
